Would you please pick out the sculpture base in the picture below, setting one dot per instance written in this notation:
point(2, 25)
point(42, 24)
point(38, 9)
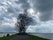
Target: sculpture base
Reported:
point(22, 33)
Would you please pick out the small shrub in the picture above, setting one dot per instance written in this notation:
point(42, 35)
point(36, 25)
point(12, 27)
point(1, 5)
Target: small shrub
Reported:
point(8, 35)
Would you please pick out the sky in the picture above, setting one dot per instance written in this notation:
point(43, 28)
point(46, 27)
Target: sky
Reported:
point(40, 10)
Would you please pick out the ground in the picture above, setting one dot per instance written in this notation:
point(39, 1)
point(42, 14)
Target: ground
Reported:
point(22, 37)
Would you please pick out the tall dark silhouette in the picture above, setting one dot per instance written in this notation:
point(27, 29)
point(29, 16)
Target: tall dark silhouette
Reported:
point(24, 20)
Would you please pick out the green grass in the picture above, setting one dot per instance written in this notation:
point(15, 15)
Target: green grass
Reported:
point(36, 38)
point(7, 37)
point(12, 36)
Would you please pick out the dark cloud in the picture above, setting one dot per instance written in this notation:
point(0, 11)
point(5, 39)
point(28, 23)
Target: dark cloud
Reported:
point(1, 19)
point(45, 16)
point(11, 10)
point(44, 7)
point(24, 3)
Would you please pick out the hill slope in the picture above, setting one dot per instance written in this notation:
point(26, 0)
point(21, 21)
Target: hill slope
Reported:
point(22, 37)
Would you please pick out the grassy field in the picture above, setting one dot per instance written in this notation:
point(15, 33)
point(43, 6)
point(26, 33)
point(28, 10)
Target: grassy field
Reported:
point(12, 36)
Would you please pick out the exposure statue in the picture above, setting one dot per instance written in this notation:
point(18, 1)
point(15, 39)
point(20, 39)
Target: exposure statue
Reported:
point(24, 21)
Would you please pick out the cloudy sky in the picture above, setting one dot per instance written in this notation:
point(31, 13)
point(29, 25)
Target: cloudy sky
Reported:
point(40, 10)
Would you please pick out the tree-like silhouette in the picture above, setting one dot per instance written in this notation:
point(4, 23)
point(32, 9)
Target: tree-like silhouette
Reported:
point(24, 20)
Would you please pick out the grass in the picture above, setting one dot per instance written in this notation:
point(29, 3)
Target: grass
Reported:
point(12, 36)
point(37, 38)
point(7, 37)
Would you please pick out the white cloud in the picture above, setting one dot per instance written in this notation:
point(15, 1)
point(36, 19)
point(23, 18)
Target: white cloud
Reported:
point(7, 29)
point(42, 27)
point(10, 22)
point(9, 17)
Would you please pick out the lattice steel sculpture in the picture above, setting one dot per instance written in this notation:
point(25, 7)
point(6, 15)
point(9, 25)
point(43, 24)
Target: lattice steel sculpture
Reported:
point(24, 20)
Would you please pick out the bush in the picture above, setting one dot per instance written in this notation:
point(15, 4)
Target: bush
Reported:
point(8, 35)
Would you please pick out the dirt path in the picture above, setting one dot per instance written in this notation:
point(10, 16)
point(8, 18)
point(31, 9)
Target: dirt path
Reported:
point(21, 37)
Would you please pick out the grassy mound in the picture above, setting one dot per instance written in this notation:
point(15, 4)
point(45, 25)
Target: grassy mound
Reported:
point(7, 37)
point(12, 36)
point(36, 38)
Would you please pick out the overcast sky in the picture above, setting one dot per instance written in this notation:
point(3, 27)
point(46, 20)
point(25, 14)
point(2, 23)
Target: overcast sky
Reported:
point(40, 10)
